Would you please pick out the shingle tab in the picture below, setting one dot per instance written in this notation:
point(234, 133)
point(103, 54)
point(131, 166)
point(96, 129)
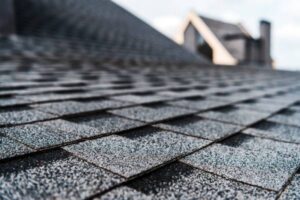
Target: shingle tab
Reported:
point(199, 104)
point(196, 126)
point(141, 98)
point(139, 151)
point(180, 181)
point(10, 148)
point(54, 175)
point(291, 117)
point(152, 114)
point(73, 107)
point(14, 117)
point(262, 106)
point(260, 144)
point(107, 123)
point(39, 136)
point(266, 169)
point(235, 116)
point(292, 191)
point(275, 131)
point(69, 127)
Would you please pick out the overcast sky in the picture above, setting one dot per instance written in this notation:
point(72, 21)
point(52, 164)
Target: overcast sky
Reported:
point(168, 15)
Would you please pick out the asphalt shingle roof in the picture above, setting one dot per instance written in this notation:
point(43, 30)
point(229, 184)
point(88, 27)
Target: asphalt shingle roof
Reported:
point(87, 129)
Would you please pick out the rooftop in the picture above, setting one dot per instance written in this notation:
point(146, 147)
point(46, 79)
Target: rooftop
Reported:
point(145, 129)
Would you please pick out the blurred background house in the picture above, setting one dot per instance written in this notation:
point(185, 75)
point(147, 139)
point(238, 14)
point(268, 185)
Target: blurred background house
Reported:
point(226, 43)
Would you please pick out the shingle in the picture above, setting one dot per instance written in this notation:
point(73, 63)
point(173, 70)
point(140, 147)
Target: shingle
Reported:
point(73, 107)
point(39, 136)
point(180, 181)
point(14, 117)
point(235, 115)
point(12, 101)
point(292, 191)
point(196, 126)
point(137, 152)
point(107, 123)
point(267, 169)
point(10, 148)
point(275, 131)
point(151, 114)
point(260, 144)
point(290, 117)
point(200, 104)
point(139, 98)
point(53, 175)
point(261, 106)
point(78, 129)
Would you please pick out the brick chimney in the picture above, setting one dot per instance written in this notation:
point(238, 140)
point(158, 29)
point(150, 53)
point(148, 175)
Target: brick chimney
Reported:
point(7, 17)
point(265, 36)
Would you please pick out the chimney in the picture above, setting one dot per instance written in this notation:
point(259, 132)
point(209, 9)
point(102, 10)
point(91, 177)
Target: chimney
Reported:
point(265, 36)
point(7, 17)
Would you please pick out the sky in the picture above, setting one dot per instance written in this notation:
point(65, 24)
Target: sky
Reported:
point(167, 16)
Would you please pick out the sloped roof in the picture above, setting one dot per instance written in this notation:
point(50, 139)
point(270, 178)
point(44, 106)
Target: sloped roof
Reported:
point(122, 130)
point(94, 28)
point(223, 29)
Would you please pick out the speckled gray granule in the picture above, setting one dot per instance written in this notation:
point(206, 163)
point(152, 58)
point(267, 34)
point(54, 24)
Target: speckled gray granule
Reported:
point(54, 175)
point(293, 119)
point(199, 105)
point(203, 128)
point(78, 129)
point(180, 181)
point(24, 116)
point(73, 107)
point(107, 123)
point(39, 136)
point(276, 131)
point(130, 157)
point(292, 192)
point(267, 169)
point(238, 116)
point(261, 144)
point(151, 114)
point(10, 148)
point(140, 98)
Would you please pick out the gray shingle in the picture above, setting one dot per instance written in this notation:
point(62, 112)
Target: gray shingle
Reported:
point(73, 107)
point(180, 181)
point(136, 98)
point(260, 144)
point(196, 126)
point(78, 129)
point(199, 104)
point(275, 131)
point(261, 106)
point(151, 114)
point(10, 148)
point(292, 192)
point(22, 116)
point(139, 151)
point(39, 136)
point(267, 169)
point(53, 175)
point(236, 116)
point(291, 117)
point(107, 123)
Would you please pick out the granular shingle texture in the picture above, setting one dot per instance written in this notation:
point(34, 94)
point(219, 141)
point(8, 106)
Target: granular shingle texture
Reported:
point(267, 169)
point(137, 152)
point(55, 175)
point(94, 103)
point(180, 181)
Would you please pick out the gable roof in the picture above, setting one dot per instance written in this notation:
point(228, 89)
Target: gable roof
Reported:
point(223, 30)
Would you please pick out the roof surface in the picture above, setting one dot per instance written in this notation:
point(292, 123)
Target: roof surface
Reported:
point(101, 129)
